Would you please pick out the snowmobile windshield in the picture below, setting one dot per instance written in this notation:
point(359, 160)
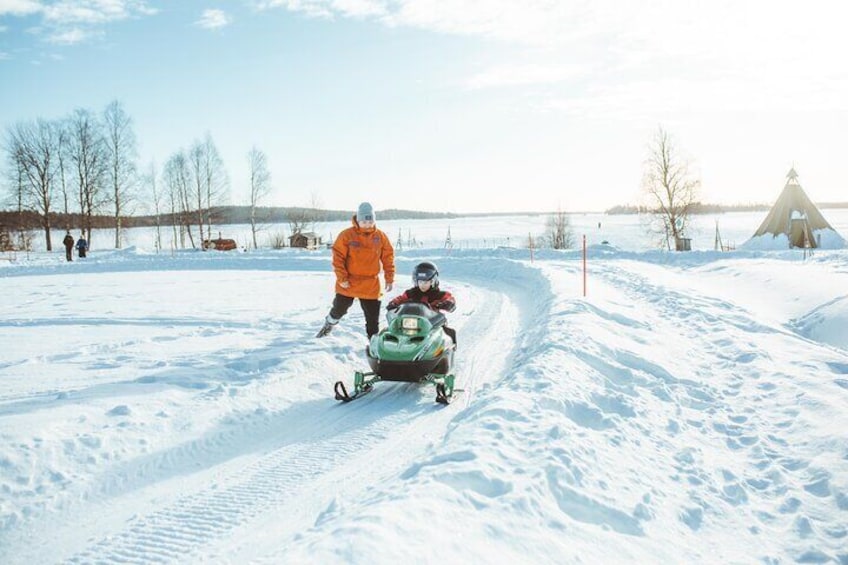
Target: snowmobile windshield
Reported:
point(419, 309)
point(415, 309)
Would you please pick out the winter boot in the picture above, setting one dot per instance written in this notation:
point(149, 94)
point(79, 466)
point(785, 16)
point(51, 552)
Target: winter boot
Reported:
point(329, 324)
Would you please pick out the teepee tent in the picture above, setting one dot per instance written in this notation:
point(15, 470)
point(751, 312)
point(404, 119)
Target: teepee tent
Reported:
point(794, 221)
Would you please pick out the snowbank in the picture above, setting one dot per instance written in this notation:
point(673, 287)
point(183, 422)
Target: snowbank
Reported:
point(828, 239)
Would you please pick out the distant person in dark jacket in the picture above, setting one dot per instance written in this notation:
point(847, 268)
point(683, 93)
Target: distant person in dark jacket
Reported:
point(82, 246)
point(68, 242)
point(426, 291)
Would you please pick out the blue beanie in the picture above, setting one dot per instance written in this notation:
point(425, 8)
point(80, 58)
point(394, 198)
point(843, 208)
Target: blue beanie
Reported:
point(365, 213)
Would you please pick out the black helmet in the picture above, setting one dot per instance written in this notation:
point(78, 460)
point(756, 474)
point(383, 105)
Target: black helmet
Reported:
point(426, 271)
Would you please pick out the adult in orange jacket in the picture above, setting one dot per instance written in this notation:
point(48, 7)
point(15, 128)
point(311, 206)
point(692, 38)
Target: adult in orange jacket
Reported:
point(358, 253)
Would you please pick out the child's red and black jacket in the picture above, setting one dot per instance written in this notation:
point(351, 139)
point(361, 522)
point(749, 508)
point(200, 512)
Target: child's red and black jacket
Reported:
point(435, 298)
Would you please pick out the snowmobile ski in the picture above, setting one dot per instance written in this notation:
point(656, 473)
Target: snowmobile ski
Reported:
point(361, 386)
point(363, 383)
point(342, 394)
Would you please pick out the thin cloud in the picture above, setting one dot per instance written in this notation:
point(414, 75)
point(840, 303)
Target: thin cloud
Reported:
point(312, 8)
point(19, 7)
point(213, 19)
point(717, 54)
point(66, 22)
point(330, 8)
point(70, 36)
point(94, 12)
point(361, 8)
point(534, 22)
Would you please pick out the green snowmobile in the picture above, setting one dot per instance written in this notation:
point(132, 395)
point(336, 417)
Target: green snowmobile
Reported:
point(414, 348)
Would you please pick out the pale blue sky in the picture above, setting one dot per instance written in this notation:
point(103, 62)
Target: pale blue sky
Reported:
point(467, 105)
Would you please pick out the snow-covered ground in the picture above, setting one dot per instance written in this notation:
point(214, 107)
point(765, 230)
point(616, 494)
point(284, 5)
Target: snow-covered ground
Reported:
point(176, 408)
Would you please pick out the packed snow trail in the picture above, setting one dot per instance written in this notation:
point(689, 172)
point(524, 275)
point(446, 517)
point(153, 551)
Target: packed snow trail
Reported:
point(293, 462)
point(709, 445)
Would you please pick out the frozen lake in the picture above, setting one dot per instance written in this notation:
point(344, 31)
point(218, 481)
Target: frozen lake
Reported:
point(627, 232)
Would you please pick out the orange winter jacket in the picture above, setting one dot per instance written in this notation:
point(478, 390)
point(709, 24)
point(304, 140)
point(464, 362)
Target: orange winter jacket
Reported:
point(357, 256)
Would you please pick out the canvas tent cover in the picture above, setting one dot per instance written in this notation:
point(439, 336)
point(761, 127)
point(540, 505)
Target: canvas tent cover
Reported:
point(794, 215)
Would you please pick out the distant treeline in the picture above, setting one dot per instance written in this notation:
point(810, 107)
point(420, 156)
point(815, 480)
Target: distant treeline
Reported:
point(30, 220)
point(223, 215)
point(697, 208)
point(220, 215)
point(700, 208)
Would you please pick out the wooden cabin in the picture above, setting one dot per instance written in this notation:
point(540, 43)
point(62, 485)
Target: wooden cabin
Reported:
point(305, 240)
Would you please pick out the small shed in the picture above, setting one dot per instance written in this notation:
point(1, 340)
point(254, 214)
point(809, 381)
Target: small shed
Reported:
point(306, 240)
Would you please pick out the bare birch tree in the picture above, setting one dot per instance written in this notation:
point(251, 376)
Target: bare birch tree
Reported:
point(63, 142)
point(178, 182)
point(88, 155)
point(121, 154)
point(20, 195)
point(670, 188)
point(215, 179)
point(208, 180)
point(195, 163)
point(169, 180)
point(559, 233)
point(318, 212)
point(260, 185)
point(149, 182)
point(34, 146)
point(300, 220)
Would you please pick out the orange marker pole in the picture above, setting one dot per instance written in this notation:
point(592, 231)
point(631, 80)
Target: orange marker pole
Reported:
point(584, 264)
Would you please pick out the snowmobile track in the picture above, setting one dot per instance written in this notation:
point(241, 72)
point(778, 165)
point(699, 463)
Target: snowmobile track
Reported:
point(300, 478)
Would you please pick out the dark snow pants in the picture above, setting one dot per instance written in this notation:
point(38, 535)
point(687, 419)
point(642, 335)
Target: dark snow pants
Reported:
point(69, 253)
point(370, 307)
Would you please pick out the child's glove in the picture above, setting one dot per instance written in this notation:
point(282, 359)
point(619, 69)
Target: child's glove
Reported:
point(444, 305)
